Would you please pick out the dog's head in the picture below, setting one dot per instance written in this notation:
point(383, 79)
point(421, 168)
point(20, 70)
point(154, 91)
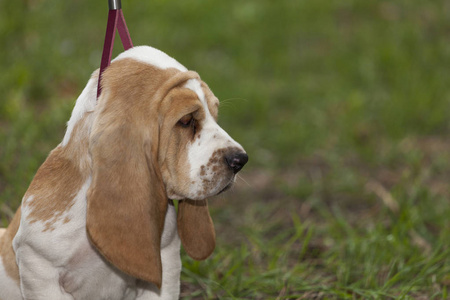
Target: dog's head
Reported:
point(155, 137)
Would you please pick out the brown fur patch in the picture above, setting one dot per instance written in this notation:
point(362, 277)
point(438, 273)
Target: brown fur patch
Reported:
point(59, 179)
point(53, 189)
point(6, 249)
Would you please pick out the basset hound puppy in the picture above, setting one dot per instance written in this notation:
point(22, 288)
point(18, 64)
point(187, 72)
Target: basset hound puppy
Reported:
point(96, 221)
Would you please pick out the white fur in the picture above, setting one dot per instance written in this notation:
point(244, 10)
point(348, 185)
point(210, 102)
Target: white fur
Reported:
point(213, 138)
point(9, 289)
point(85, 103)
point(151, 56)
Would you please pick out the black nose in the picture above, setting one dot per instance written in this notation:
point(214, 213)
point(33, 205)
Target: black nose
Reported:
point(236, 160)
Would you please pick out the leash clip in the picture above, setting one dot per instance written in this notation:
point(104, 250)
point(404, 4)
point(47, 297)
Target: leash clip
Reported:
point(114, 4)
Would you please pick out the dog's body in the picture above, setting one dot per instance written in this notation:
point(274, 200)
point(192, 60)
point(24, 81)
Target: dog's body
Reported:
point(96, 222)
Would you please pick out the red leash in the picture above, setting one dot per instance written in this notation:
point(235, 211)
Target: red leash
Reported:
point(115, 20)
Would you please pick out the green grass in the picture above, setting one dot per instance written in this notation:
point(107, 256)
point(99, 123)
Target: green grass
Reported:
point(343, 107)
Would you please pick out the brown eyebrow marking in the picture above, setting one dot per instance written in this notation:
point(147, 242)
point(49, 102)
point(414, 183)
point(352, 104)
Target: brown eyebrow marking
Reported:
point(212, 102)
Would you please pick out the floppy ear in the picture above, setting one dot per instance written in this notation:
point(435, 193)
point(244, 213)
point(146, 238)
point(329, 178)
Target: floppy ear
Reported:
point(196, 229)
point(126, 202)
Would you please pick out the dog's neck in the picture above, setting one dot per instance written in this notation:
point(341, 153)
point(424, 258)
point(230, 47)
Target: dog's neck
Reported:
point(75, 144)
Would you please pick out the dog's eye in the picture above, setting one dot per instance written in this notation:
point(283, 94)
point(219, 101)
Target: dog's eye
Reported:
point(186, 121)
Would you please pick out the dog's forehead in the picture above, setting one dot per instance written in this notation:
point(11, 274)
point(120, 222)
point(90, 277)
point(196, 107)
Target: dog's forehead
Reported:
point(209, 103)
point(151, 56)
point(157, 58)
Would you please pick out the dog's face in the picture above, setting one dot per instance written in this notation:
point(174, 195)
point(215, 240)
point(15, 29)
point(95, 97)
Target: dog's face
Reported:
point(201, 159)
point(175, 114)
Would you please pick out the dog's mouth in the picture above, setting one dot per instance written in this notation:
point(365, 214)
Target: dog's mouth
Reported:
point(227, 187)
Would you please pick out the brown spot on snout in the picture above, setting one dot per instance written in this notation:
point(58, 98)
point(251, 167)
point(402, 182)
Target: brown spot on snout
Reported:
point(217, 171)
point(202, 171)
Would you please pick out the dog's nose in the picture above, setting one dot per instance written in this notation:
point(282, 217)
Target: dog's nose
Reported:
point(236, 160)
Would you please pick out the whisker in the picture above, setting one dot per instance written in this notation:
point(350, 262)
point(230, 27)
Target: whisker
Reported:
point(230, 101)
point(242, 178)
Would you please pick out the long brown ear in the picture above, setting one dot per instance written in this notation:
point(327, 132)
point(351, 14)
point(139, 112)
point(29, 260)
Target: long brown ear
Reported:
point(126, 203)
point(196, 229)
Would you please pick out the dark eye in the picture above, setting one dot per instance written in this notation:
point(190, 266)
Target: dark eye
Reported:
point(186, 121)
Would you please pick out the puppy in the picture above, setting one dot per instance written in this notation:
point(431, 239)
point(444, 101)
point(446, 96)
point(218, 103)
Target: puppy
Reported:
point(97, 221)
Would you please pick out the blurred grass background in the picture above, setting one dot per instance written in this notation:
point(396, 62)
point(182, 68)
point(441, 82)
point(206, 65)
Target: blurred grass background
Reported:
point(343, 107)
